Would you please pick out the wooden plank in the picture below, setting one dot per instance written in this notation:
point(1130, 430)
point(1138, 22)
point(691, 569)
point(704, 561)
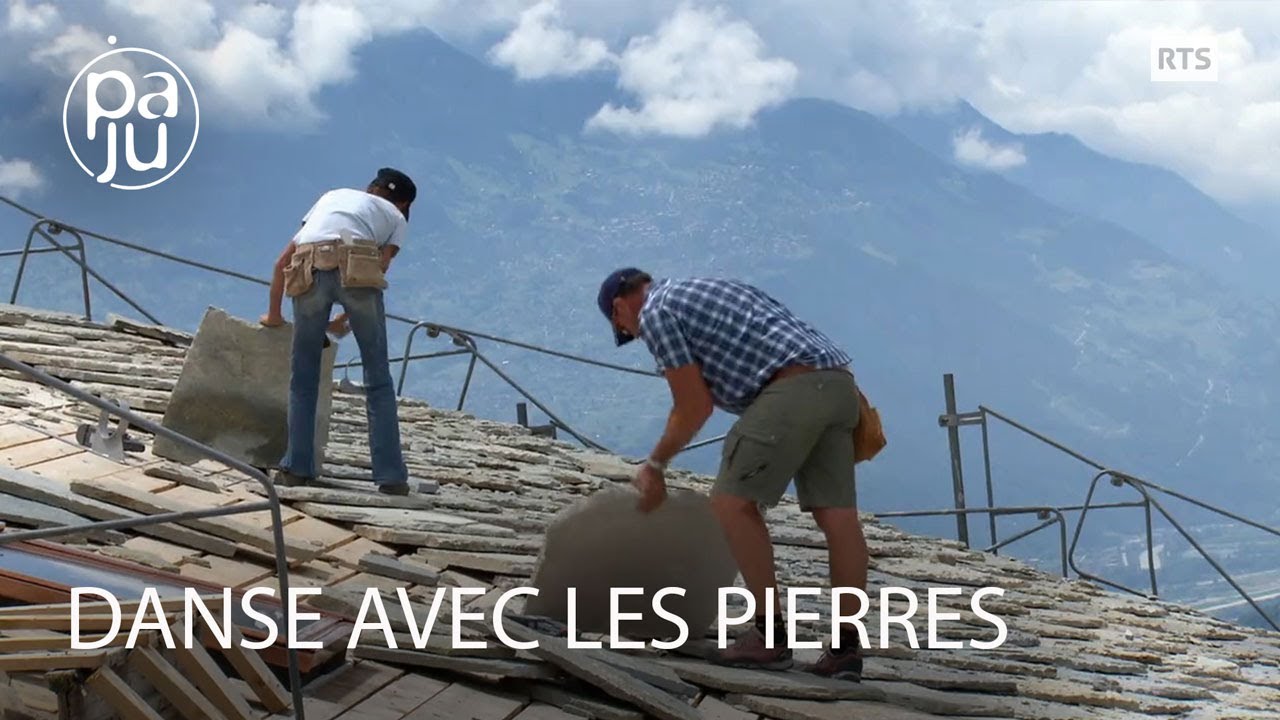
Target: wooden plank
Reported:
point(44, 661)
point(172, 685)
point(398, 698)
point(87, 465)
point(330, 696)
point(41, 489)
point(13, 435)
point(408, 570)
point(51, 642)
point(496, 563)
point(254, 671)
point(224, 572)
point(191, 497)
point(199, 667)
point(350, 552)
point(449, 540)
point(308, 529)
point(464, 701)
point(614, 682)
point(118, 493)
point(127, 607)
point(122, 698)
point(514, 669)
point(21, 456)
point(92, 623)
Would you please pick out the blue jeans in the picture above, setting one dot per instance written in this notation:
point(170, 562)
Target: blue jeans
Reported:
point(368, 321)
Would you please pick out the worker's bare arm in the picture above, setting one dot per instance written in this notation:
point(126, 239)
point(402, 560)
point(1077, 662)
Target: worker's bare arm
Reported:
point(275, 316)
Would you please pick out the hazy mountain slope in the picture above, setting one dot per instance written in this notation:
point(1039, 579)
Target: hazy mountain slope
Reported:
point(1150, 201)
point(1074, 324)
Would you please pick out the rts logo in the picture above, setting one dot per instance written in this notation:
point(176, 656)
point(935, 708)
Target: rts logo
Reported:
point(127, 118)
point(1184, 58)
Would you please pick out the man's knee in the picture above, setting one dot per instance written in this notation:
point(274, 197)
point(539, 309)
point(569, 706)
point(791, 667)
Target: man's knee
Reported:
point(730, 508)
point(838, 521)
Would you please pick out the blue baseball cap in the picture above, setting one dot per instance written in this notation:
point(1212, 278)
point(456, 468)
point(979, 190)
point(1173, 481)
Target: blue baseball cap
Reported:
point(609, 290)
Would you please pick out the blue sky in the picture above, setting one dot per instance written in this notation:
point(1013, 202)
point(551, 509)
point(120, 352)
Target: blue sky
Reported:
point(688, 68)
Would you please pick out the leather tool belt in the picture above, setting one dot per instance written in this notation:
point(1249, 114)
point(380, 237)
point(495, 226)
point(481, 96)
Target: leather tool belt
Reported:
point(359, 264)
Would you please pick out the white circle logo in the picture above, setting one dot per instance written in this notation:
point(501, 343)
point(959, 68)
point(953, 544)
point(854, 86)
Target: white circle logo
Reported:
point(108, 124)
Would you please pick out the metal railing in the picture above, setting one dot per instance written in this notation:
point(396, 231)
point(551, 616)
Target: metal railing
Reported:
point(465, 339)
point(953, 420)
point(271, 504)
point(466, 342)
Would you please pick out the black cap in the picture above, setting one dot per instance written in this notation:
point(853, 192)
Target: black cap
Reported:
point(398, 185)
point(613, 286)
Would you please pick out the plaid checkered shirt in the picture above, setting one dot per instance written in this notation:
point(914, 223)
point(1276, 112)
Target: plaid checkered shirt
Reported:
point(737, 334)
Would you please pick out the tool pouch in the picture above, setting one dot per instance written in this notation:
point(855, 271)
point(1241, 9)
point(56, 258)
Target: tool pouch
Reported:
point(361, 266)
point(299, 276)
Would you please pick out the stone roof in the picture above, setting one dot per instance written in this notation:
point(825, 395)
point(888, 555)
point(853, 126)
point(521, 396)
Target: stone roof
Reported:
point(1074, 650)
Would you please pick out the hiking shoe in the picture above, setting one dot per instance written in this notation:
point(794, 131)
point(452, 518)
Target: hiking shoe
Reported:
point(284, 478)
point(839, 665)
point(394, 489)
point(748, 651)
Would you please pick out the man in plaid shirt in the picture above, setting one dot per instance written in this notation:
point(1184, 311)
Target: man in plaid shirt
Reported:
point(726, 344)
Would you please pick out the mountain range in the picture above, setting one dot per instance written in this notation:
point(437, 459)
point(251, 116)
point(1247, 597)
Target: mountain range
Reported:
point(1110, 305)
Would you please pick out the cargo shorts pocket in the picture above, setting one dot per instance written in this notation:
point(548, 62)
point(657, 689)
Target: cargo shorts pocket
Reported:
point(298, 275)
point(749, 468)
point(362, 267)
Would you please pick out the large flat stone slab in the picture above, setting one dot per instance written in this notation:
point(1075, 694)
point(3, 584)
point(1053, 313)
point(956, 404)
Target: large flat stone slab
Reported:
point(603, 542)
point(794, 684)
point(233, 394)
point(786, 709)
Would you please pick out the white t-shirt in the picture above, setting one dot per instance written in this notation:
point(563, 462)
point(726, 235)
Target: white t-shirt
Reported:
point(357, 213)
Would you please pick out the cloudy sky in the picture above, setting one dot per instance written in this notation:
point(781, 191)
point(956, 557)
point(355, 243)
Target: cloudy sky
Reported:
point(690, 67)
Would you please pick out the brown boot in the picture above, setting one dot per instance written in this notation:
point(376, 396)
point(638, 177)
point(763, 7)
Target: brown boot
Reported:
point(840, 665)
point(749, 651)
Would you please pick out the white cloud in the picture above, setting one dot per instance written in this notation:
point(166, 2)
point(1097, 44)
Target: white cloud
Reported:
point(699, 71)
point(71, 50)
point(37, 18)
point(18, 176)
point(970, 148)
point(540, 46)
point(1078, 67)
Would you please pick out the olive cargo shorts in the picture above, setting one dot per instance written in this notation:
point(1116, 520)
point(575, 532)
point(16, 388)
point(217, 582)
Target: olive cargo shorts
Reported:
point(799, 427)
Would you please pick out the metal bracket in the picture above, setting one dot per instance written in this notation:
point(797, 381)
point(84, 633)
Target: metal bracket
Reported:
point(960, 419)
point(522, 419)
point(105, 439)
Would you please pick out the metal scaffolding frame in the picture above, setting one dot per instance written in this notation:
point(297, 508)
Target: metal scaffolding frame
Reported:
point(1147, 491)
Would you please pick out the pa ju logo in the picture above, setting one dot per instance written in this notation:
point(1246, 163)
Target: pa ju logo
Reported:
point(131, 118)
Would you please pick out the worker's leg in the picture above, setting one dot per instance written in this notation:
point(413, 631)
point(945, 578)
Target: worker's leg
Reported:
point(368, 320)
point(749, 540)
point(310, 318)
point(762, 452)
point(825, 487)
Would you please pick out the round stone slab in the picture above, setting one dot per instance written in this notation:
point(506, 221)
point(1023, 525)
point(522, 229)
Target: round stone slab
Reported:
point(603, 542)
